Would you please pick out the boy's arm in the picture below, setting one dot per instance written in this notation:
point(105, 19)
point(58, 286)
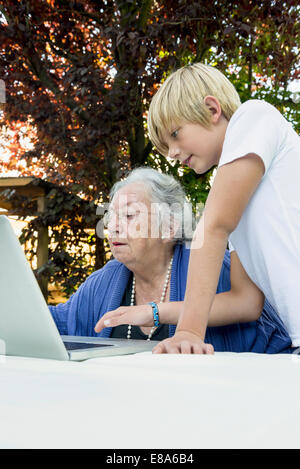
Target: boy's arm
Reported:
point(244, 302)
point(232, 189)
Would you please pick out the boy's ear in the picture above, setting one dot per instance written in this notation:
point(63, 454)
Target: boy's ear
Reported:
point(214, 106)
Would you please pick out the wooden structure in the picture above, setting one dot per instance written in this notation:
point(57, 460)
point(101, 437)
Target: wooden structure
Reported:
point(35, 190)
point(27, 197)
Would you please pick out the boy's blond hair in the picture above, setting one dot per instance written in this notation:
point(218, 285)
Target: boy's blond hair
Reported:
point(181, 99)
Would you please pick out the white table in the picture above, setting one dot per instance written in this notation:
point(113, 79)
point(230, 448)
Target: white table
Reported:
point(151, 401)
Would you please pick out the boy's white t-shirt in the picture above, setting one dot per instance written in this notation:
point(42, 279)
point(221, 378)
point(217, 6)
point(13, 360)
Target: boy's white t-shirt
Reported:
point(267, 238)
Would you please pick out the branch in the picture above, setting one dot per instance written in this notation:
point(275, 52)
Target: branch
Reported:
point(250, 66)
point(39, 70)
point(147, 150)
point(5, 14)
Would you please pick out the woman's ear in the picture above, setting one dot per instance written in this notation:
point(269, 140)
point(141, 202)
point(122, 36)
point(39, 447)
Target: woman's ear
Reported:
point(169, 236)
point(214, 107)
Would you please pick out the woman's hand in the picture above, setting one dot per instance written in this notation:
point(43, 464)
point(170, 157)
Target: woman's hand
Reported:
point(140, 315)
point(133, 315)
point(184, 342)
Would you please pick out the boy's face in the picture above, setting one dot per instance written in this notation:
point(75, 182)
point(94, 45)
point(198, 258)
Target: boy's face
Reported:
point(196, 146)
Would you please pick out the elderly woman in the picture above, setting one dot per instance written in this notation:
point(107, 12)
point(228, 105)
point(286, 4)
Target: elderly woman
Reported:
point(149, 226)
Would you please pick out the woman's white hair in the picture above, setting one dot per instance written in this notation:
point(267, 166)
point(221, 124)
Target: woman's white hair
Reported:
point(173, 208)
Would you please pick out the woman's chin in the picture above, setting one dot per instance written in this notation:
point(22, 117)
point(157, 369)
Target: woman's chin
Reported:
point(120, 255)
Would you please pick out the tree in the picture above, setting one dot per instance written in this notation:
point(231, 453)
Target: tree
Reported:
point(80, 74)
point(85, 71)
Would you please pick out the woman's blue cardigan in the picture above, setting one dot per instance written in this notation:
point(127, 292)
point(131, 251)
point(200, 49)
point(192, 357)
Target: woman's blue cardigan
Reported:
point(104, 290)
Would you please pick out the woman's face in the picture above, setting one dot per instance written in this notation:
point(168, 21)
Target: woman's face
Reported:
point(132, 227)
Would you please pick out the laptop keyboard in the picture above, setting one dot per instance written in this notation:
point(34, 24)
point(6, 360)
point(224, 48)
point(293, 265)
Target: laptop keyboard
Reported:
point(82, 345)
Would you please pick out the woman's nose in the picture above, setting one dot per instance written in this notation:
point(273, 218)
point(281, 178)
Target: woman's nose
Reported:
point(113, 225)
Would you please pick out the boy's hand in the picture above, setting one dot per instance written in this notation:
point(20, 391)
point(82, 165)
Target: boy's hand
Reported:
point(184, 342)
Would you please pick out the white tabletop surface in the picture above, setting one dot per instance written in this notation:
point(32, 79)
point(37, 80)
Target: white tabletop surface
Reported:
point(151, 401)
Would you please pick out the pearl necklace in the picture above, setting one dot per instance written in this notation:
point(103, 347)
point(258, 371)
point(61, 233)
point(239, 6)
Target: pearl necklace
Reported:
point(162, 299)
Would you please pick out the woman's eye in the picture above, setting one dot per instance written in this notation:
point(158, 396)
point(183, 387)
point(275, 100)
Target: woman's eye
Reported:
point(131, 215)
point(174, 134)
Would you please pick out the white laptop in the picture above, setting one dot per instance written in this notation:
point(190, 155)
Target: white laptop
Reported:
point(27, 328)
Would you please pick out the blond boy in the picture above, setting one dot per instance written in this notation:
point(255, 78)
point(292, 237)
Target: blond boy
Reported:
point(196, 117)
